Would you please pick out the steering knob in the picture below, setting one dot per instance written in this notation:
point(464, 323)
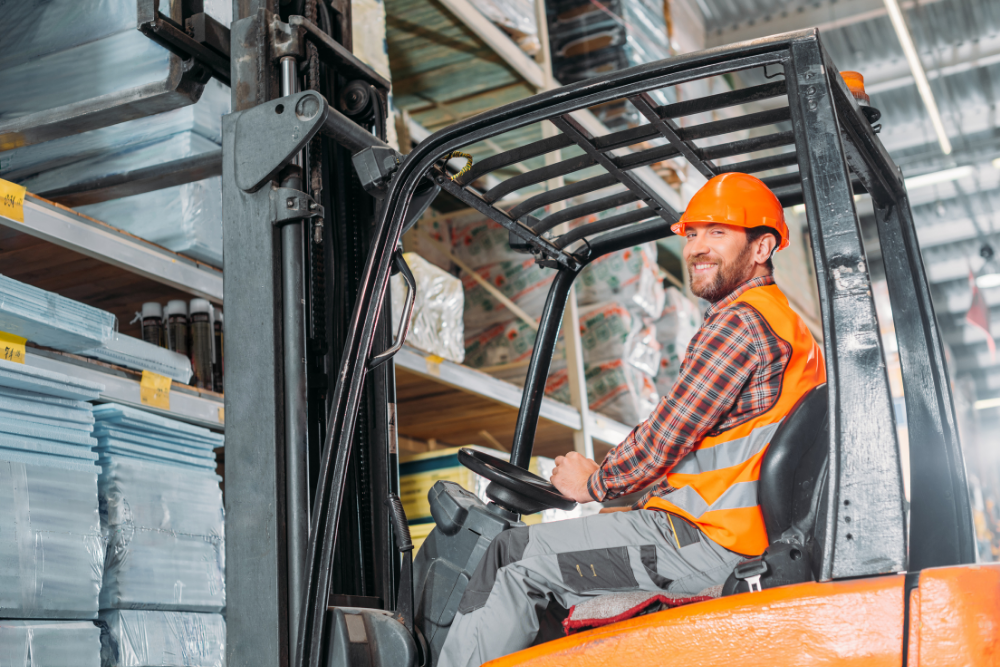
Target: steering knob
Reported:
point(513, 488)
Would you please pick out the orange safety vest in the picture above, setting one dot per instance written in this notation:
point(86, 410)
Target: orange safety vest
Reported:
point(716, 483)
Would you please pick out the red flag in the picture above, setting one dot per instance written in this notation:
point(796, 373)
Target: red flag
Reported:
point(979, 316)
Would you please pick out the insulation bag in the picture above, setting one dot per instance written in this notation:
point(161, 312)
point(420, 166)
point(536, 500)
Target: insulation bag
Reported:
point(480, 242)
point(614, 389)
point(436, 325)
point(680, 322)
point(523, 282)
point(628, 276)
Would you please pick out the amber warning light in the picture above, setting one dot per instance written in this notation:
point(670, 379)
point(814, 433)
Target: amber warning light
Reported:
point(856, 84)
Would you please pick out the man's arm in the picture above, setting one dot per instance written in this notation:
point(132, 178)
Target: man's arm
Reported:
point(719, 362)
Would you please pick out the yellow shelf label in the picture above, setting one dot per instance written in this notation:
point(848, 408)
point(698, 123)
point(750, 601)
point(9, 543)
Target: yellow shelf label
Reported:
point(12, 200)
point(434, 365)
point(154, 390)
point(222, 415)
point(12, 347)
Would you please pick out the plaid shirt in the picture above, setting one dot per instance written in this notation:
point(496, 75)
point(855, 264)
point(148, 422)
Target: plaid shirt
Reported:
point(731, 373)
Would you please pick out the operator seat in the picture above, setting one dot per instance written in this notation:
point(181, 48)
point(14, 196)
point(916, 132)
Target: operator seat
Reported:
point(791, 487)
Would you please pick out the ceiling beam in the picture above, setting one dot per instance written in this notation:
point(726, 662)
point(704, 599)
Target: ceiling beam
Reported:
point(825, 15)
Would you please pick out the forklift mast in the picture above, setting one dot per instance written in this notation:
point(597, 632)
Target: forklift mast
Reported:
point(298, 228)
point(314, 208)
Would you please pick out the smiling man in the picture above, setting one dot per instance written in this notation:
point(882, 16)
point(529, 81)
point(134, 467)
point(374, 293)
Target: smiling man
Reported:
point(697, 455)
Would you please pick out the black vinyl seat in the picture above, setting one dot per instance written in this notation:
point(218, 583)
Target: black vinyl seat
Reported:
point(793, 476)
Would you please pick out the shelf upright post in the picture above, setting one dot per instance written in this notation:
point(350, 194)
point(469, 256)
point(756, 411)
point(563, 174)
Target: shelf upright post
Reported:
point(583, 441)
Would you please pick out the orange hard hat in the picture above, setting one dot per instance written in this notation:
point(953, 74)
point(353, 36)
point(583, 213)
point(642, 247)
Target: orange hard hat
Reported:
point(735, 199)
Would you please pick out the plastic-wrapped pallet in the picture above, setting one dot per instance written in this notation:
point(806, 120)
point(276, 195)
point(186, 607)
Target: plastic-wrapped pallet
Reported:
point(50, 644)
point(161, 512)
point(45, 318)
point(680, 322)
point(523, 282)
point(436, 325)
point(184, 218)
point(51, 547)
point(144, 638)
point(627, 276)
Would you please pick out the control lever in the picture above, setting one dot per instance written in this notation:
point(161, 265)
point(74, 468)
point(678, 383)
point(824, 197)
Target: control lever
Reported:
point(401, 530)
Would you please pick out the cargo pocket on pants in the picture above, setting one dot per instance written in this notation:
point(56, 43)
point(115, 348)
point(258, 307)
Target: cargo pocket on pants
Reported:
point(597, 569)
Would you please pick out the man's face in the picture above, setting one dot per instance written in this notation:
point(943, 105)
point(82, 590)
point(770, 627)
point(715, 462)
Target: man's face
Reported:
point(718, 259)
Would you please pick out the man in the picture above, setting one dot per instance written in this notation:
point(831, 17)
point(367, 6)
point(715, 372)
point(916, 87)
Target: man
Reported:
point(698, 453)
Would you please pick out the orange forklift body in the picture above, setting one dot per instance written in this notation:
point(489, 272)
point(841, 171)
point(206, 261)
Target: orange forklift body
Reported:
point(954, 619)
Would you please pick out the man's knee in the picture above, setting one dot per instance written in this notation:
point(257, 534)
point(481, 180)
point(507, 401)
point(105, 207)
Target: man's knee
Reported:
point(508, 547)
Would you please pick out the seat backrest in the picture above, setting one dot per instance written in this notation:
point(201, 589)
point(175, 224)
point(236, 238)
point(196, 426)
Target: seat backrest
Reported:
point(794, 468)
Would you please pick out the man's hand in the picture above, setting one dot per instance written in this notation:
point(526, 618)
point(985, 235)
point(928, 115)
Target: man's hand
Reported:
point(571, 475)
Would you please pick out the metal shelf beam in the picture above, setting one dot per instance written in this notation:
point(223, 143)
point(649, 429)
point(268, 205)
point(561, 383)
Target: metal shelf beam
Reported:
point(67, 229)
point(122, 387)
point(478, 383)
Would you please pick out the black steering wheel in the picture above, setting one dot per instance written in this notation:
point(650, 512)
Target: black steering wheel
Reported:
point(513, 488)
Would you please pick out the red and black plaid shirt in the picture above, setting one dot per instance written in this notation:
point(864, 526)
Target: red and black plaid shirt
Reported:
point(731, 372)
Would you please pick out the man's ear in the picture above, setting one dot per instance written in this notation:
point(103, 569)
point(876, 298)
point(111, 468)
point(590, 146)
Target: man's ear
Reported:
point(764, 248)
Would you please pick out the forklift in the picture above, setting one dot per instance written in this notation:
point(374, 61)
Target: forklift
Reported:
point(320, 563)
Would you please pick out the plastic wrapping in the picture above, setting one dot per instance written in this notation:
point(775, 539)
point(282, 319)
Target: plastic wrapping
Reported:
point(51, 548)
point(50, 644)
point(138, 354)
point(627, 276)
point(680, 322)
point(141, 638)
point(161, 512)
point(614, 388)
point(436, 325)
point(611, 331)
point(58, 52)
point(523, 282)
point(185, 218)
point(45, 318)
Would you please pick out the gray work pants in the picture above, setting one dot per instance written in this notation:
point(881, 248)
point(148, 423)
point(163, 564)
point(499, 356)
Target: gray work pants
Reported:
point(568, 562)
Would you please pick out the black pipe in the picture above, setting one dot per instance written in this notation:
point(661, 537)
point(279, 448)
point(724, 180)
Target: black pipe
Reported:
point(349, 134)
point(538, 370)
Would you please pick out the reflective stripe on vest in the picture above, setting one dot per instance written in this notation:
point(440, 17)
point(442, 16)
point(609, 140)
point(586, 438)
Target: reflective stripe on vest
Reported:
point(726, 454)
point(715, 485)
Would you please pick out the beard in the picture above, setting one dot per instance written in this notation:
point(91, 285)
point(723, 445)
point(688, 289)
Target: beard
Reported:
point(727, 278)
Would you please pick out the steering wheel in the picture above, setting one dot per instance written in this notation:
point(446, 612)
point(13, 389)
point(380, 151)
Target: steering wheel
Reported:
point(513, 488)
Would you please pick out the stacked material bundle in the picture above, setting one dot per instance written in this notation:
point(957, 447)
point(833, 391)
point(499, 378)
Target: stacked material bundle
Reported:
point(51, 548)
point(140, 638)
point(138, 354)
point(161, 512)
point(628, 276)
point(436, 324)
point(45, 318)
point(49, 644)
point(588, 39)
point(188, 218)
point(63, 52)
